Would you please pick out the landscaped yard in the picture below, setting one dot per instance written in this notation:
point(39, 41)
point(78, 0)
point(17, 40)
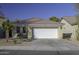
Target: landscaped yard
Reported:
point(9, 43)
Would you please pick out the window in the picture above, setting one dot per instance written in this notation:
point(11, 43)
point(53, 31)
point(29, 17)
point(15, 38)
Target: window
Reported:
point(67, 35)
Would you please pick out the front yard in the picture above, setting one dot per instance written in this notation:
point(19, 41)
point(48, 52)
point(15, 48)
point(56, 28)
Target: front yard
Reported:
point(9, 43)
point(3, 42)
point(45, 42)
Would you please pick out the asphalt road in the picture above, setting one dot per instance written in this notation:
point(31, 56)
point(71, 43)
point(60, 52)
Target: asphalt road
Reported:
point(32, 52)
point(42, 47)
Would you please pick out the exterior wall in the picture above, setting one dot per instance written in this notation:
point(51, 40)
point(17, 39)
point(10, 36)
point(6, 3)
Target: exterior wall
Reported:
point(29, 32)
point(74, 34)
point(60, 33)
point(68, 28)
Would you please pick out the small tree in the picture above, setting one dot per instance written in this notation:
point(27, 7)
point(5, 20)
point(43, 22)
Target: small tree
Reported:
point(54, 19)
point(7, 26)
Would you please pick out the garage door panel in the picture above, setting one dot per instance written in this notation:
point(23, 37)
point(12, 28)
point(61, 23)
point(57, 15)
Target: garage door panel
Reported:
point(45, 33)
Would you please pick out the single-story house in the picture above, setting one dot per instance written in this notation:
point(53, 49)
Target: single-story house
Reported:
point(37, 28)
point(44, 29)
point(70, 26)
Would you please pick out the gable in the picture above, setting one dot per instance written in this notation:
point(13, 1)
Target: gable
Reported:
point(70, 19)
point(66, 28)
point(65, 22)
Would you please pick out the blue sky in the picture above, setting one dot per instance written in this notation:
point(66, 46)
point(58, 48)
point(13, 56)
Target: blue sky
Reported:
point(24, 11)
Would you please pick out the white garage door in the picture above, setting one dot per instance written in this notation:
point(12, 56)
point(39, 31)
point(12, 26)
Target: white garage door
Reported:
point(49, 33)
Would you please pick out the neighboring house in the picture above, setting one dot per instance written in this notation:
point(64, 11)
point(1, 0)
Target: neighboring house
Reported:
point(70, 26)
point(2, 32)
point(2, 19)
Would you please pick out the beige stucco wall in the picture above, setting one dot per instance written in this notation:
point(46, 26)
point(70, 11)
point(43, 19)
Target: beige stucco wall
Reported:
point(60, 33)
point(68, 28)
point(74, 34)
point(29, 32)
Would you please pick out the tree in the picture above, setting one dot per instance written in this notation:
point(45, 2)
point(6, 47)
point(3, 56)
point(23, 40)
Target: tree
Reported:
point(7, 26)
point(54, 19)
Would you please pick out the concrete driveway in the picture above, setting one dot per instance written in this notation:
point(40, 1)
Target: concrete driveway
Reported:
point(44, 46)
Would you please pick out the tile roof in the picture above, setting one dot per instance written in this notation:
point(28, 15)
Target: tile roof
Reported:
point(45, 23)
point(38, 22)
point(71, 19)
